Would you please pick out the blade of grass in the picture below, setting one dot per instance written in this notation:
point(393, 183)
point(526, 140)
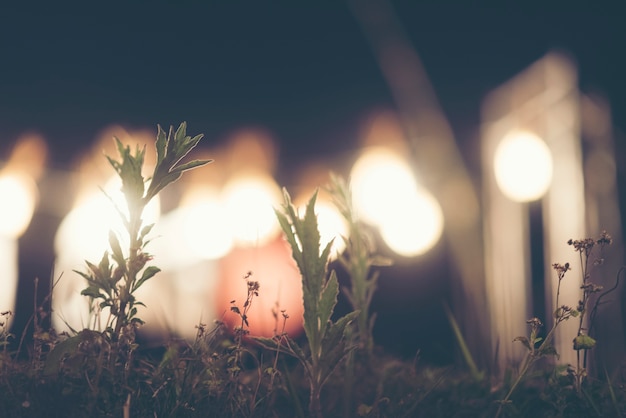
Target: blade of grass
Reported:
point(477, 375)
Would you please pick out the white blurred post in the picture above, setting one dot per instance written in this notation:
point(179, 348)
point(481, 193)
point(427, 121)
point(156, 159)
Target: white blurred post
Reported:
point(8, 272)
point(507, 266)
point(19, 193)
point(564, 204)
point(544, 100)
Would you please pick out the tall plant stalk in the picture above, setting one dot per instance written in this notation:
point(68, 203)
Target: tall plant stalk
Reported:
point(358, 260)
point(327, 345)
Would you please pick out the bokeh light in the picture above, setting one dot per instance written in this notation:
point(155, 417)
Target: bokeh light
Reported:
point(249, 202)
point(19, 196)
point(332, 226)
point(205, 230)
point(84, 232)
point(523, 166)
point(414, 226)
point(378, 178)
point(386, 195)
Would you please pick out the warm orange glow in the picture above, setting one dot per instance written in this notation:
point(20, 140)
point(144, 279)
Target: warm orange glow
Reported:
point(17, 184)
point(28, 156)
point(250, 149)
point(276, 271)
point(383, 129)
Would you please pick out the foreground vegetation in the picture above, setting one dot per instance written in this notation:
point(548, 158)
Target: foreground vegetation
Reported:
point(335, 370)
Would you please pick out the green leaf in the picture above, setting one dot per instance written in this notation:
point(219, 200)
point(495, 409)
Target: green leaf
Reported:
point(85, 276)
point(129, 171)
point(548, 350)
point(92, 291)
point(337, 330)
point(145, 231)
point(289, 235)
point(118, 256)
point(161, 144)
point(191, 165)
point(59, 352)
point(583, 342)
point(169, 357)
point(171, 149)
point(106, 303)
point(334, 345)
point(148, 273)
point(524, 341)
point(328, 300)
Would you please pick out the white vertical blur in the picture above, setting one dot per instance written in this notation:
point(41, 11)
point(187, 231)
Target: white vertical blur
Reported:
point(507, 270)
point(543, 100)
point(19, 197)
point(564, 204)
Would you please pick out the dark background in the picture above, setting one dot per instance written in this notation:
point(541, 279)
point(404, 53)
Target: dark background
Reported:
point(303, 70)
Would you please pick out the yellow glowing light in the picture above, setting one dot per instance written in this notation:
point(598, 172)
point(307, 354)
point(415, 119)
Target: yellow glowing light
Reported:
point(205, 230)
point(84, 232)
point(19, 195)
point(414, 226)
point(378, 179)
point(249, 203)
point(523, 166)
point(386, 194)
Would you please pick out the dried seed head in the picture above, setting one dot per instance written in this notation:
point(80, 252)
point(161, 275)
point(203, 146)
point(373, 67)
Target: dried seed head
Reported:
point(534, 322)
point(604, 239)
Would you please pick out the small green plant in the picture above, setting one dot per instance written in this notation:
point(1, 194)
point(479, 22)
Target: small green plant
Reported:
point(538, 347)
point(327, 345)
point(358, 260)
point(113, 281)
point(116, 283)
point(583, 340)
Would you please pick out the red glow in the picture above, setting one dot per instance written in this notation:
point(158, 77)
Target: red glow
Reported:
point(280, 282)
